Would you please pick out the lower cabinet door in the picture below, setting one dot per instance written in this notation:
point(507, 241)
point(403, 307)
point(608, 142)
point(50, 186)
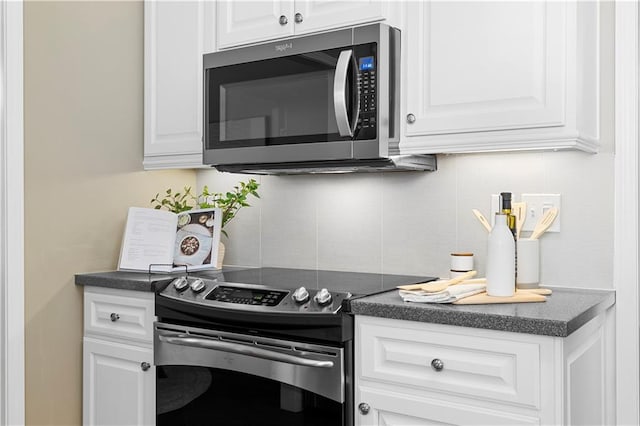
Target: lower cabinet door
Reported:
point(118, 384)
point(380, 407)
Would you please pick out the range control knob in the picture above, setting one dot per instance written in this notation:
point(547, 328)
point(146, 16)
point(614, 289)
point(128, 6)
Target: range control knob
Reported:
point(322, 297)
point(300, 296)
point(197, 286)
point(180, 284)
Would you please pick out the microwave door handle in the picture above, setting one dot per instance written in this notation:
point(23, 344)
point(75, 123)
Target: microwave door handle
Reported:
point(345, 128)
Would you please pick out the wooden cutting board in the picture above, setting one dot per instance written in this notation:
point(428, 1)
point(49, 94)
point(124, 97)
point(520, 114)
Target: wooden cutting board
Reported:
point(518, 297)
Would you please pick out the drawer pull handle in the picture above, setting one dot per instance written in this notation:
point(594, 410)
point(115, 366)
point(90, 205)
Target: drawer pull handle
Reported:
point(298, 18)
point(114, 317)
point(145, 366)
point(411, 118)
point(283, 20)
point(364, 408)
point(437, 364)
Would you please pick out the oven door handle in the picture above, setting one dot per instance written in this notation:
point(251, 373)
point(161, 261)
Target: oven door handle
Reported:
point(345, 128)
point(244, 350)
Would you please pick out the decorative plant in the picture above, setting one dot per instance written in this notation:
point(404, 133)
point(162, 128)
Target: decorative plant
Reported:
point(229, 202)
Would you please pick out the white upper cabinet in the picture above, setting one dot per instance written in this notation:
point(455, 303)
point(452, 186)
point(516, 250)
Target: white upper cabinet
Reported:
point(176, 36)
point(484, 76)
point(243, 22)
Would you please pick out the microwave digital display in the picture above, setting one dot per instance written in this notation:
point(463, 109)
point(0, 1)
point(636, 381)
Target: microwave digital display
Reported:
point(366, 63)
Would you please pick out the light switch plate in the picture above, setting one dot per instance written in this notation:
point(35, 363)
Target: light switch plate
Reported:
point(537, 206)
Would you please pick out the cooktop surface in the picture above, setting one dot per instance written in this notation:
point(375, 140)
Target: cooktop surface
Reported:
point(356, 283)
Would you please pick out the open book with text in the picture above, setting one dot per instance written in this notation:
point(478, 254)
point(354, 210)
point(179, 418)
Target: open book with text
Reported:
point(162, 241)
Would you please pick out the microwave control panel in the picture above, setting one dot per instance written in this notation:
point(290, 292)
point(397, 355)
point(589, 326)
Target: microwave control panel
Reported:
point(367, 82)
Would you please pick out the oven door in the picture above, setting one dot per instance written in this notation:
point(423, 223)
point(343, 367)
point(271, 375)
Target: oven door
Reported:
point(208, 377)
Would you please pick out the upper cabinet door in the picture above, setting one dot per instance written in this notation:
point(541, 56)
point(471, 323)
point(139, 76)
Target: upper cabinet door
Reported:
point(320, 15)
point(482, 66)
point(176, 36)
point(242, 22)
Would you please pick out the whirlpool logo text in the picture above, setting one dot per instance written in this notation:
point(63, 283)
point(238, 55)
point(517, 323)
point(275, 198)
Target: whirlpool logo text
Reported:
point(283, 47)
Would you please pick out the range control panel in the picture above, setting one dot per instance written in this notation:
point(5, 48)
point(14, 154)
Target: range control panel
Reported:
point(254, 297)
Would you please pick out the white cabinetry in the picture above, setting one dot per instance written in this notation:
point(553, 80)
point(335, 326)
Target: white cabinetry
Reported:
point(243, 22)
point(176, 36)
point(413, 373)
point(118, 371)
point(487, 76)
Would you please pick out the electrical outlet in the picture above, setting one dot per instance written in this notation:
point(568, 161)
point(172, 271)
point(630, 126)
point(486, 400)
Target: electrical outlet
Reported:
point(537, 206)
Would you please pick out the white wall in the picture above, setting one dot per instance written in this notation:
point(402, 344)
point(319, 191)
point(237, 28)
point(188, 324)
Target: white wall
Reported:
point(409, 222)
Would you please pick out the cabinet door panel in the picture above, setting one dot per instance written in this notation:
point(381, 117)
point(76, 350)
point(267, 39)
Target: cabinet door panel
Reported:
point(395, 409)
point(176, 36)
point(481, 66)
point(117, 391)
point(318, 15)
point(242, 22)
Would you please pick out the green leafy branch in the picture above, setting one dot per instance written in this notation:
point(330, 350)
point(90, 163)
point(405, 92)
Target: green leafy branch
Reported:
point(229, 202)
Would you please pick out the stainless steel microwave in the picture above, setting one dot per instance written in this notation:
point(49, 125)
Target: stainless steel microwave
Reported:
point(321, 103)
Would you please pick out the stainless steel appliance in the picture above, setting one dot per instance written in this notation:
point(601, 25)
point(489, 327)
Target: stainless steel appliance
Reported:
point(327, 102)
point(264, 346)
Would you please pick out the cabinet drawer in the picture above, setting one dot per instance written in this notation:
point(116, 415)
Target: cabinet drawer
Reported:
point(121, 314)
point(397, 409)
point(473, 364)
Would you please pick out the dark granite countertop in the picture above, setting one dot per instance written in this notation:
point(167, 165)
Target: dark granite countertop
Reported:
point(137, 281)
point(566, 310)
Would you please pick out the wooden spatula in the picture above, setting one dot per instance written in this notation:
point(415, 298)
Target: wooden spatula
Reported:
point(520, 212)
point(436, 286)
point(483, 220)
point(544, 223)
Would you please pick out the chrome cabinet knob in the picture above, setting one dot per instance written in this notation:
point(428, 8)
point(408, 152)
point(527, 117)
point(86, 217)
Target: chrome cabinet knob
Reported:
point(145, 366)
point(364, 408)
point(322, 297)
point(299, 18)
point(437, 364)
point(114, 317)
point(411, 118)
point(301, 295)
point(283, 20)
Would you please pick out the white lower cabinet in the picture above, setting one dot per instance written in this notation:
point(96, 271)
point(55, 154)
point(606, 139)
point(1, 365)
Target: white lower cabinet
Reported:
point(414, 373)
point(118, 371)
point(119, 384)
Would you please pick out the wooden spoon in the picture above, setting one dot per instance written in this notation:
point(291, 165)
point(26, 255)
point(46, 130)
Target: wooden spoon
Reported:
point(544, 223)
point(436, 286)
point(520, 212)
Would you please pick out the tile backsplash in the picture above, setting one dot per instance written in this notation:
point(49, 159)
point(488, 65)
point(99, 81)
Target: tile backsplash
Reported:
point(409, 222)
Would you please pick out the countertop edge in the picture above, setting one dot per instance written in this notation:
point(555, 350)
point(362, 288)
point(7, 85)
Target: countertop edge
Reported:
point(450, 315)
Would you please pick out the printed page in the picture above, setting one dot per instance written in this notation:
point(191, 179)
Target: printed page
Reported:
point(197, 238)
point(148, 240)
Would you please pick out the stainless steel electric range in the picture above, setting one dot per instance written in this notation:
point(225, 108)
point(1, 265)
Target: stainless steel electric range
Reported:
point(264, 346)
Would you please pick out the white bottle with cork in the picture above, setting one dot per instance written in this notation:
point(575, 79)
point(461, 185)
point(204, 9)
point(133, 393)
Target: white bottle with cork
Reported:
point(501, 253)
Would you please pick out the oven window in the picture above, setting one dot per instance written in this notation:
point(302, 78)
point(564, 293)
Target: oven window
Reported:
point(188, 395)
point(287, 100)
